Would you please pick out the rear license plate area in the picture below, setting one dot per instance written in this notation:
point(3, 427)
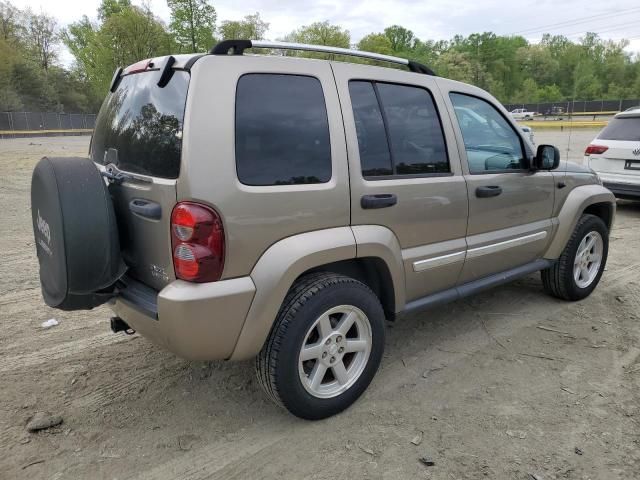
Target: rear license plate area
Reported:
point(632, 165)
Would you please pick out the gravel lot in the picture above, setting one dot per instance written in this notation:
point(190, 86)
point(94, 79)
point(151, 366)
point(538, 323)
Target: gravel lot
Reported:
point(571, 144)
point(477, 385)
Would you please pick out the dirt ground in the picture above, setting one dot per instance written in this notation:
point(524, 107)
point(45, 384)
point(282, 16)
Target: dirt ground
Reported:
point(510, 384)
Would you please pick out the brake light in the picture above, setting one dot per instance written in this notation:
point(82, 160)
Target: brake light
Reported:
point(595, 149)
point(197, 242)
point(137, 67)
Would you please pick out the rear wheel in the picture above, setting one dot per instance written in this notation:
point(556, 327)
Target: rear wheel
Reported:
point(578, 270)
point(325, 346)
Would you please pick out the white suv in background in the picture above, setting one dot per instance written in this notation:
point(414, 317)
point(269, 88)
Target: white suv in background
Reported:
point(615, 154)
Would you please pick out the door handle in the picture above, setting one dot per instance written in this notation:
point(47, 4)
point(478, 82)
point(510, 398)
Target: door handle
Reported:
point(381, 200)
point(146, 208)
point(488, 191)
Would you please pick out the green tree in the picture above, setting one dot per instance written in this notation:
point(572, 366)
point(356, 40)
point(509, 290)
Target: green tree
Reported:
point(42, 38)
point(193, 24)
point(252, 27)
point(111, 7)
point(527, 93)
point(32, 85)
point(400, 38)
point(635, 89)
point(321, 33)
point(123, 38)
point(549, 93)
point(455, 65)
point(586, 84)
point(377, 43)
point(537, 62)
point(9, 22)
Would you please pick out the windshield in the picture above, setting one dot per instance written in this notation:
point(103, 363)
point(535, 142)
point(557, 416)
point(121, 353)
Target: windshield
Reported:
point(622, 128)
point(140, 125)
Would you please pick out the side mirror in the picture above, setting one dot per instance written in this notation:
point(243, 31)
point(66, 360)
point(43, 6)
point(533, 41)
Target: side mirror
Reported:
point(547, 158)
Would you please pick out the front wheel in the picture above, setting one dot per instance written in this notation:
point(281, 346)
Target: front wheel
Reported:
point(325, 346)
point(579, 268)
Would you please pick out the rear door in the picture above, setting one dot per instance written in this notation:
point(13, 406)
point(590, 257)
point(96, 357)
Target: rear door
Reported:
point(510, 207)
point(405, 171)
point(139, 131)
point(622, 157)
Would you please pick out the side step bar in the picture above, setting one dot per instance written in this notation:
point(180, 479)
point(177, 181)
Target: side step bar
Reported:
point(471, 288)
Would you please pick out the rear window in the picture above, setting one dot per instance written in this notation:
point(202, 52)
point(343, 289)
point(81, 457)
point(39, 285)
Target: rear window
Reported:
point(398, 130)
point(140, 125)
point(622, 129)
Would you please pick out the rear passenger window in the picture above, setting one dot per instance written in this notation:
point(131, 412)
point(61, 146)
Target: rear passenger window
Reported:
point(375, 157)
point(399, 130)
point(282, 130)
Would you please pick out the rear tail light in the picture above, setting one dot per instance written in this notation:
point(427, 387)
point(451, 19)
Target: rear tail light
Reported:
point(197, 242)
point(595, 149)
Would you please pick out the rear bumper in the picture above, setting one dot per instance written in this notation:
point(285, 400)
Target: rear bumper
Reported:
point(194, 321)
point(622, 185)
point(624, 190)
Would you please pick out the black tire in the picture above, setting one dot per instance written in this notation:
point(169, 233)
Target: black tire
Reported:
point(277, 363)
point(558, 280)
point(76, 233)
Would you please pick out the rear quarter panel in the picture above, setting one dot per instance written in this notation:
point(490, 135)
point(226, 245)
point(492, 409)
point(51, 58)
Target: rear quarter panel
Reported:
point(255, 217)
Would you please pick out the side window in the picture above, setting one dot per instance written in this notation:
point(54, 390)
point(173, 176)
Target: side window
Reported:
point(399, 130)
point(375, 158)
point(282, 130)
point(490, 141)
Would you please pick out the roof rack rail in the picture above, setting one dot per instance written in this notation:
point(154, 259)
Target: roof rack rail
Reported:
point(237, 47)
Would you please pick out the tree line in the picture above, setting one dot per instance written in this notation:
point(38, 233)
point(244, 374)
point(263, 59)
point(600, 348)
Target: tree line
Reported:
point(514, 70)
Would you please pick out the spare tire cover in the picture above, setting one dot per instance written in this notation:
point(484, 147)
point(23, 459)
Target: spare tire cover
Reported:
point(76, 235)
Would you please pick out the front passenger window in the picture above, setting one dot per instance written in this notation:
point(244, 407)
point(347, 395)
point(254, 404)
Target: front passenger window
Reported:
point(490, 141)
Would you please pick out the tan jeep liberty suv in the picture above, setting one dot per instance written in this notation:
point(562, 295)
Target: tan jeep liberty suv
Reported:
point(237, 206)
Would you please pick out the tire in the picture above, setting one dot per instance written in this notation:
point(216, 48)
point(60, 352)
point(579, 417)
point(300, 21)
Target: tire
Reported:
point(76, 233)
point(560, 279)
point(279, 366)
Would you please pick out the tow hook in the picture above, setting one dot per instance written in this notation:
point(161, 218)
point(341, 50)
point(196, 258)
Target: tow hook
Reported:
point(119, 325)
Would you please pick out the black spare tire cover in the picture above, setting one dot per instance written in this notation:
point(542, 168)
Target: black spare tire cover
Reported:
point(76, 235)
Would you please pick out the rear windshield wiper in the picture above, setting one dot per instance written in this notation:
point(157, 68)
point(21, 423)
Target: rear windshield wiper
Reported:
point(115, 176)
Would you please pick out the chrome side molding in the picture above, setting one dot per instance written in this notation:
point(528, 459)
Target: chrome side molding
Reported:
point(497, 247)
point(422, 265)
point(434, 262)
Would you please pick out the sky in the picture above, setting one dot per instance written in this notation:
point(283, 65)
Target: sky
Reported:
point(434, 19)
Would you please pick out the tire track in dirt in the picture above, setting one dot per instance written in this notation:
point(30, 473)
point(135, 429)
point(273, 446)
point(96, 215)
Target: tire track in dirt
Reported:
point(224, 459)
point(19, 296)
point(129, 384)
point(61, 351)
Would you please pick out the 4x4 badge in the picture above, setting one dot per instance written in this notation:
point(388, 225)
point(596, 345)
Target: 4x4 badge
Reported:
point(636, 151)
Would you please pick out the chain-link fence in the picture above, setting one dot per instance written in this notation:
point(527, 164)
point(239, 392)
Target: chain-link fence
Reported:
point(30, 123)
point(577, 107)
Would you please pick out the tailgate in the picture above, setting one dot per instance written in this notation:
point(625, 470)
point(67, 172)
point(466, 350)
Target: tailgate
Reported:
point(622, 139)
point(143, 212)
point(619, 158)
point(139, 133)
